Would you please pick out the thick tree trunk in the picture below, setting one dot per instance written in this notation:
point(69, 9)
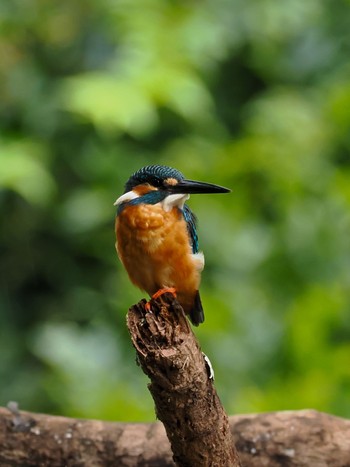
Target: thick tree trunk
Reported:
point(185, 397)
point(295, 439)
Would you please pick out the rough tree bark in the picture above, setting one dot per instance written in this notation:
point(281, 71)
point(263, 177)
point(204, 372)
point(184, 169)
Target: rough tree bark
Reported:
point(282, 439)
point(292, 439)
point(185, 397)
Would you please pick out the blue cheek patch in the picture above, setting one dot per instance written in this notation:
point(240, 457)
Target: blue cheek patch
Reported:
point(153, 197)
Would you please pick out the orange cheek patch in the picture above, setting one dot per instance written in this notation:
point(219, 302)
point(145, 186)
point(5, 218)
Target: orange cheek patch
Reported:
point(143, 189)
point(171, 181)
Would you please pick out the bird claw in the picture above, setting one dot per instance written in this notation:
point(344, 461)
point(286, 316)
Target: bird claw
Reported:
point(164, 290)
point(156, 295)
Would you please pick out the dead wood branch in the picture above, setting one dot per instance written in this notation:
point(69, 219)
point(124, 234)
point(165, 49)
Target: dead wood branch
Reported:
point(185, 397)
point(295, 439)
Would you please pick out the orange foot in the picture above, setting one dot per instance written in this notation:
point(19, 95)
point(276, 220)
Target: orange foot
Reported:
point(158, 294)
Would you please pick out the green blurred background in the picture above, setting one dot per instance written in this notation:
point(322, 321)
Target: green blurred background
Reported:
point(252, 94)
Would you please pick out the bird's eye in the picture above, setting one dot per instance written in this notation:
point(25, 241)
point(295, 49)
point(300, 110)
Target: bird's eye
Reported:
point(157, 182)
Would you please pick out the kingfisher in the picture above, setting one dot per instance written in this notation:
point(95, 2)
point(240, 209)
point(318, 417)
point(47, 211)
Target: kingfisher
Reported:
point(156, 235)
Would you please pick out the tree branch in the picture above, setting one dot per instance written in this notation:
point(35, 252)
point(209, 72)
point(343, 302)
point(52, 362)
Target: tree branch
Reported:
point(171, 356)
point(185, 397)
point(294, 439)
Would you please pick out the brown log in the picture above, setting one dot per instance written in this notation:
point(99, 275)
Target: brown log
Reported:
point(303, 438)
point(185, 397)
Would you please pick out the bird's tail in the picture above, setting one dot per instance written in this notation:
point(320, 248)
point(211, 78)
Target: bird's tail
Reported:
point(197, 312)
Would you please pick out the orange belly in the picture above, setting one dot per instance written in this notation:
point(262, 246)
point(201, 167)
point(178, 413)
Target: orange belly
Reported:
point(154, 247)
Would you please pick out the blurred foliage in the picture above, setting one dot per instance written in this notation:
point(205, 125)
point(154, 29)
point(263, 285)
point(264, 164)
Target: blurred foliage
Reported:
point(254, 95)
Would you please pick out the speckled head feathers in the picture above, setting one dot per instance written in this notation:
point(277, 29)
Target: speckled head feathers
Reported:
point(154, 175)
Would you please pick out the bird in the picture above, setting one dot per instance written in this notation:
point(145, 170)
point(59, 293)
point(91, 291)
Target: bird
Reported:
point(156, 235)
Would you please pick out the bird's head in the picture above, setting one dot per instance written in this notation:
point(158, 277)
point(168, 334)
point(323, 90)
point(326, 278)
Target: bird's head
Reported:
point(161, 184)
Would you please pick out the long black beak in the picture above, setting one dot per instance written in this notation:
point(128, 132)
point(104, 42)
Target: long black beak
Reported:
point(193, 187)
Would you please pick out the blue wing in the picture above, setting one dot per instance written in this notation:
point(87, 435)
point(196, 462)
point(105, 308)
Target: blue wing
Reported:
point(197, 313)
point(191, 221)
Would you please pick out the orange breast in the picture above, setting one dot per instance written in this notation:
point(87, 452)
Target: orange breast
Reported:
point(155, 250)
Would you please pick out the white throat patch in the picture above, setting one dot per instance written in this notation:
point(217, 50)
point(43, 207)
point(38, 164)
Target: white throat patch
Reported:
point(171, 201)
